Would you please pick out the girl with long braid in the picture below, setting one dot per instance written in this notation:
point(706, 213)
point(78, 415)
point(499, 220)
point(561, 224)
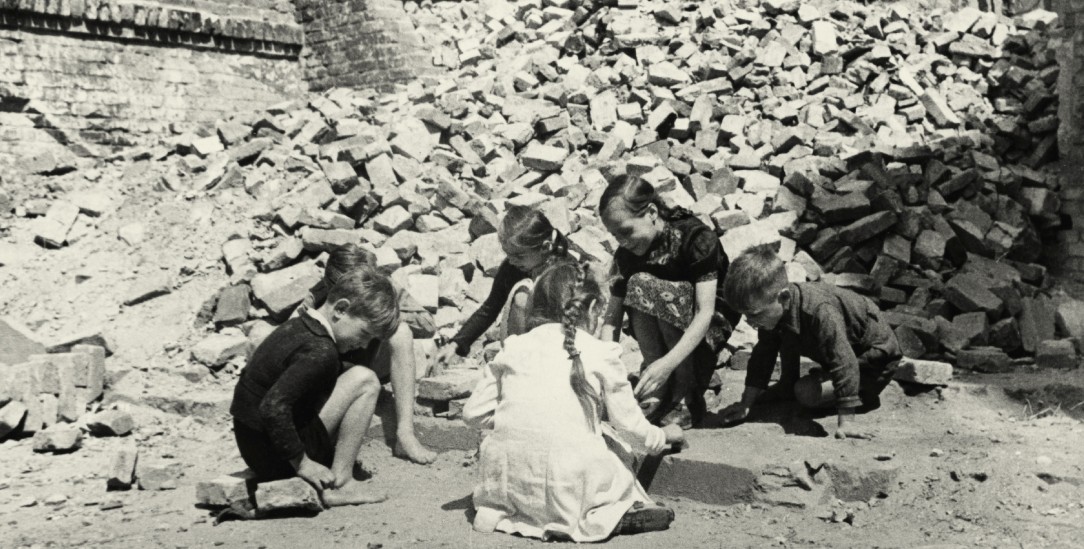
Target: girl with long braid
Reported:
point(546, 470)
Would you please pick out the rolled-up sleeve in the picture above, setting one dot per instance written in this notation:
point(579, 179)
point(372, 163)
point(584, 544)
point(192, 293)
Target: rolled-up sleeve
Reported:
point(831, 331)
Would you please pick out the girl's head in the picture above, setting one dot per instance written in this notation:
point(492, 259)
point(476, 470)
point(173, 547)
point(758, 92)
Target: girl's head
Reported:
point(345, 259)
point(631, 211)
point(565, 293)
point(529, 239)
point(361, 306)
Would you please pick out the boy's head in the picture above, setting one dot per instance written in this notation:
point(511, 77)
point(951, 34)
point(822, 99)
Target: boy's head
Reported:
point(344, 259)
point(756, 286)
point(361, 306)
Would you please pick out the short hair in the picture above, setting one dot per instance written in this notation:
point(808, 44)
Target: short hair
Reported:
point(344, 259)
point(372, 298)
point(633, 195)
point(754, 277)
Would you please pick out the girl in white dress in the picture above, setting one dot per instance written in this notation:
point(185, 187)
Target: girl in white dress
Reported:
point(545, 469)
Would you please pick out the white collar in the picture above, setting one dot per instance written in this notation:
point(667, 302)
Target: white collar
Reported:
point(315, 313)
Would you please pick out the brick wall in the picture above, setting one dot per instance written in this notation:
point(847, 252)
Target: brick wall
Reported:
point(359, 43)
point(90, 77)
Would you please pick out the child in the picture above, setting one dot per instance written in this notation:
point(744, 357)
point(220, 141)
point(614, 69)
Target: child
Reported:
point(392, 359)
point(839, 329)
point(546, 471)
point(295, 411)
point(670, 267)
point(529, 241)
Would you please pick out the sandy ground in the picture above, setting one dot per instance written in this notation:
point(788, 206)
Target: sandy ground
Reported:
point(974, 466)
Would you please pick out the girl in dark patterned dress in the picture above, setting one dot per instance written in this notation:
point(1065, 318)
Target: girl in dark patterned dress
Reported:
point(670, 269)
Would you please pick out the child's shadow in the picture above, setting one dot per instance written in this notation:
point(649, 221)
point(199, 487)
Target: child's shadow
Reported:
point(793, 418)
point(465, 504)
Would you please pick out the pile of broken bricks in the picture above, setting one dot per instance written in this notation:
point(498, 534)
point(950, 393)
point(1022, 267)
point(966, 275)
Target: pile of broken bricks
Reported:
point(895, 152)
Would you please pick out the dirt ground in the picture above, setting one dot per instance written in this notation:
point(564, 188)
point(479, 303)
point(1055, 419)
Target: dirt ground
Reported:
point(989, 461)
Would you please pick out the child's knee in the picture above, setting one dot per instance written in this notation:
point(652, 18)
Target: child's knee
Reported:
point(519, 300)
point(360, 381)
point(403, 337)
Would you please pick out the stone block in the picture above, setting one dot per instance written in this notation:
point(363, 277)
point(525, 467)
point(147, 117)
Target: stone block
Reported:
point(122, 468)
point(450, 385)
point(1070, 318)
point(58, 439)
point(95, 378)
point(225, 490)
point(923, 372)
point(233, 305)
point(157, 476)
point(543, 157)
point(217, 349)
point(110, 423)
point(149, 287)
point(969, 293)
point(289, 495)
point(19, 342)
point(425, 289)
point(11, 416)
point(850, 483)
point(282, 290)
point(984, 359)
point(1056, 353)
point(393, 220)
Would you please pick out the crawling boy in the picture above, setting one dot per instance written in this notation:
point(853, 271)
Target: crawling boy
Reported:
point(295, 411)
point(842, 331)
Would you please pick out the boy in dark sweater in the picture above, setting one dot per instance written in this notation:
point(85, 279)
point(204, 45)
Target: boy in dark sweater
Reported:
point(842, 331)
point(295, 411)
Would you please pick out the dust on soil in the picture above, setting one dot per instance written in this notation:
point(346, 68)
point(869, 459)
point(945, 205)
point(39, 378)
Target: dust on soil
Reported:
point(976, 467)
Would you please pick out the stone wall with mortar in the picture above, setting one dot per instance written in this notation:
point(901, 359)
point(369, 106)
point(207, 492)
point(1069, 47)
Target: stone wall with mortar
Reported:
point(359, 43)
point(91, 77)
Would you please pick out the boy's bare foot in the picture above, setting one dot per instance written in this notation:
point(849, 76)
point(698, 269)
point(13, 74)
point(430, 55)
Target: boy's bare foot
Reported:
point(409, 448)
point(352, 493)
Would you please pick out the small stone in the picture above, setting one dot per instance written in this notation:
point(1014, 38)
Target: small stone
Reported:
point(217, 349)
point(1057, 353)
point(450, 385)
point(224, 490)
point(149, 287)
point(936, 452)
point(110, 423)
point(58, 439)
point(923, 372)
point(160, 476)
point(292, 494)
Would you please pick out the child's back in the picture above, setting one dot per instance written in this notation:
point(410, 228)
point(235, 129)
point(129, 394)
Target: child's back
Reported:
point(544, 469)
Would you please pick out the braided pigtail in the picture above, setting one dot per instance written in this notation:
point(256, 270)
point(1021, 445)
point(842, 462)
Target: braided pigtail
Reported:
point(573, 313)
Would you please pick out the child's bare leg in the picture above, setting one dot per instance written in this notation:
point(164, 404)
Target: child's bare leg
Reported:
point(652, 347)
point(346, 415)
point(814, 391)
point(400, 352)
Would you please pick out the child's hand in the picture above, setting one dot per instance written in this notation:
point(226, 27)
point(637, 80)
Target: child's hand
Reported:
point(674, 433)
point(315, 474)
point(653, 378)
point(445, 354)
point(734, 413)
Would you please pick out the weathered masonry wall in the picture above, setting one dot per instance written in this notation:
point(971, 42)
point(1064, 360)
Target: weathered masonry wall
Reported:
point(92, 77)
point(359, 43)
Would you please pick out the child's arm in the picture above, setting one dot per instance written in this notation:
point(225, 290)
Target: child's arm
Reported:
point(479, 408)
point(485, 315)
point(622, 409)
point(611, 321)
point(840, 362)
point(308, 374)
point(757, 375)
point(659, 371)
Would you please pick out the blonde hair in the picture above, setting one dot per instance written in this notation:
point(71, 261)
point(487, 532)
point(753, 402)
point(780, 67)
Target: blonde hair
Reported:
point(754, 277)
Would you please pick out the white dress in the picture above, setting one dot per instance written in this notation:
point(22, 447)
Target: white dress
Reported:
point(543, 469)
